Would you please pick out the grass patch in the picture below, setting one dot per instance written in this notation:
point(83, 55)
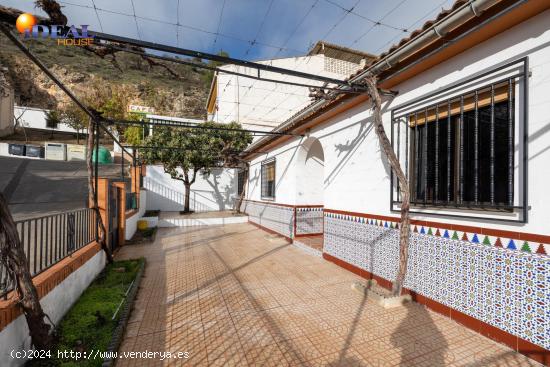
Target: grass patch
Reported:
point(89, 325)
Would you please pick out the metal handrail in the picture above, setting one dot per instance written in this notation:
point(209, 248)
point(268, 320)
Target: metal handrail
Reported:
point(46, 240)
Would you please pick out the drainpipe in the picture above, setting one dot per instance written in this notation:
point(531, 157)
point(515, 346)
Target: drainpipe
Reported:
point(471, 9)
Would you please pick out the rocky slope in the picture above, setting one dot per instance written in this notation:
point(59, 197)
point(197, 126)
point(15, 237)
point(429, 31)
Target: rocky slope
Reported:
point(81, 70)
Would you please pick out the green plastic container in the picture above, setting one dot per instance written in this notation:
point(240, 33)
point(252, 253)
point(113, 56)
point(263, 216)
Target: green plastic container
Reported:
point(104, 156)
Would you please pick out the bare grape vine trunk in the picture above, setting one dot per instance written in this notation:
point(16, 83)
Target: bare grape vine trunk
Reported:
point(91, 193)
point(13, 258)
point(385, 144)
point(245, 187)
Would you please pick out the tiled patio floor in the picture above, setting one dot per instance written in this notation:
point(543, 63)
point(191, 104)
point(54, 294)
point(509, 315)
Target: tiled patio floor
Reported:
point(315, 242)
point(237, 296)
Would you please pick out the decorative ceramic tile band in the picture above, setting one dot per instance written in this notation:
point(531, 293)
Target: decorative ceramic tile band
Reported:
point(309, 220)
point(277, 218)
point(506, 242)
point(508, 288)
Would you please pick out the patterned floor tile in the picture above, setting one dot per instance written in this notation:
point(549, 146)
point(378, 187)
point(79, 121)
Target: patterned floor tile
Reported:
point(230, 296)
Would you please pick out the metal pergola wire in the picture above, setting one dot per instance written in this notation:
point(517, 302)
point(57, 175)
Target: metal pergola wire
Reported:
point(188, 125)
point(179, 25)
point(351, 89)
point(223, 59)
point(252, 42)
point(180, 148)
point(100, 122)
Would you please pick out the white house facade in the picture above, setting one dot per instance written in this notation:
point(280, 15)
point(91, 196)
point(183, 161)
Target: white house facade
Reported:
point(470, 124)
point(262, 105)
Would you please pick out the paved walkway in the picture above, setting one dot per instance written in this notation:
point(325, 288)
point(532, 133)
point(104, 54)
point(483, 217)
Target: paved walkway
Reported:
point(315, 242)
point(237, 296)
point(38, 187)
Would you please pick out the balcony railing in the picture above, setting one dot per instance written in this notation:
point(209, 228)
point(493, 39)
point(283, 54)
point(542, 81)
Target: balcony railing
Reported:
point(49, 239)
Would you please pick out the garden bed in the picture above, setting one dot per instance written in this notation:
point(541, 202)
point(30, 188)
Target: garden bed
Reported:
point(96, 321)
point(143, 236)
point(151, 213)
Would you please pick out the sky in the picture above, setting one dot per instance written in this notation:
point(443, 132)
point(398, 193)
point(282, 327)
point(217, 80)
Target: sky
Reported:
point(252, 29)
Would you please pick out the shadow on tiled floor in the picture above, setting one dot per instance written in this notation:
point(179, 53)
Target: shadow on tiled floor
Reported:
point(232, 296)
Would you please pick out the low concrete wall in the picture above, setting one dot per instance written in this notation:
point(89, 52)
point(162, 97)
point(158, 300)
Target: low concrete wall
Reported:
point(4, 151)
point(278, 218)
point(131, 223)
point(15, 336)
point(35, 118)
point(177, 222)
point(213, 193)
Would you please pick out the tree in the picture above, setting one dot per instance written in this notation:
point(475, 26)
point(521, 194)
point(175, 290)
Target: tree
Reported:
point(52, 120)
point(17, 123)
point(185, 152)
point(385, 144)
point(133, 135)
point(12, 257)
point(71, 115)
point(232, 159)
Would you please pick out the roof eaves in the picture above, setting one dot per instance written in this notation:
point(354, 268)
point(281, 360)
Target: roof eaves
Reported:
point(444, 13)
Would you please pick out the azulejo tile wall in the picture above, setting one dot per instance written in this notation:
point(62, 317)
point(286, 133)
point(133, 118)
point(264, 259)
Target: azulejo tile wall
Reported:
point(502, 284)
point(275, 217)
point(309, 220)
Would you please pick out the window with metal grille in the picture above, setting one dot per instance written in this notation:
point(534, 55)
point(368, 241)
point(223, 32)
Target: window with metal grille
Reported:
point(240, 182)
point(459, 151)
point(268, 179)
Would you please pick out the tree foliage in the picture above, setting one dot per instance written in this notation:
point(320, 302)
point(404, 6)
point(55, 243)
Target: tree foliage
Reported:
point(186, 152)
point(133, 135)
point(110, 101)
point(70, 114)
point(52, 119)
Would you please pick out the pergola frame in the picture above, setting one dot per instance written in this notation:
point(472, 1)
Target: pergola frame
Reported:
point(177, 148)
point(101, 122)
point(351, 87)
point(188, 125)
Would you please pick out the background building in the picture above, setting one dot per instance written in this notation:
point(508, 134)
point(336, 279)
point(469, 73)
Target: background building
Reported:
point(6, 107)
point(262, 105)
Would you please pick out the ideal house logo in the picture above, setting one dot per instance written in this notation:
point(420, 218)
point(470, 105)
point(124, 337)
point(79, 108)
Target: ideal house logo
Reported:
point(27, 25)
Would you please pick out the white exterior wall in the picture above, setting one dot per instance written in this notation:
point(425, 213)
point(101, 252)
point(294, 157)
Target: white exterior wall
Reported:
point(6, 111)
point(501, 281)
point(357, 177)
point(311, 159)
point(216, 192)
point(55, 304)
point(285, 174)
point(35, 118)
point(131, 223)
point(263, 105)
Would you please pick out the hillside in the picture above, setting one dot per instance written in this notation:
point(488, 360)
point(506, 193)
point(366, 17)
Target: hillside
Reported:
point(80, 69)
